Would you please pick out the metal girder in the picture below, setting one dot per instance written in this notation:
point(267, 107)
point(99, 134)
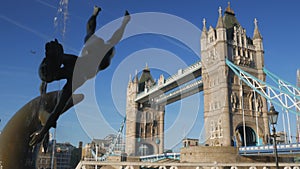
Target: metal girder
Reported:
point(285, 95)
point(286, 86)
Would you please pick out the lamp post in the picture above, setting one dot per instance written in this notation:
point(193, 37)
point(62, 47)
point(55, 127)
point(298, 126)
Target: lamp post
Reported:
point(273, 116)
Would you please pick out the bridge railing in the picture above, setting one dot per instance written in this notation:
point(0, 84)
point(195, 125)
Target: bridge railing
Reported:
point(293, 148)
point(157, 157)
point(171, 79)
point(185, 88)
point(213, 165)
point(185, 71)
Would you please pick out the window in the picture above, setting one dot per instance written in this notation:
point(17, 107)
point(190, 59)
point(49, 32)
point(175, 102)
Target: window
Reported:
point(211, 130)
point(220, 130)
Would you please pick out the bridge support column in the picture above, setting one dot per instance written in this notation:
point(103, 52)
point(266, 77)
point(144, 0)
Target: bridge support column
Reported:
point(131, 117)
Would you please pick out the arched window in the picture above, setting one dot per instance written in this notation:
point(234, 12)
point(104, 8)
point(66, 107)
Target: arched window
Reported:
point(250, 136)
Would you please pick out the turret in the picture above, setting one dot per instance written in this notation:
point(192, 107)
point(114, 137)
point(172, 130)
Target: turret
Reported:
point(256, 34)
point(136, 80)
point(257, 42)
point(221, 44)
point(132, 88)
point(146, 80)
point(221, 30)
point(130, 81)
point(203, 35)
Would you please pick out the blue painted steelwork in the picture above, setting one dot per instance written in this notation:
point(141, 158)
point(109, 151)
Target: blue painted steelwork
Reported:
point(183, 90)
point(158, 157)
point(269, 149)
point(282, 98)
point(284, 85)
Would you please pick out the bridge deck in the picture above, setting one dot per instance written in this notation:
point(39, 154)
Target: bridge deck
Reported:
point(181, 77)
point(158, 157)
point(181, 93)
point(282, 149)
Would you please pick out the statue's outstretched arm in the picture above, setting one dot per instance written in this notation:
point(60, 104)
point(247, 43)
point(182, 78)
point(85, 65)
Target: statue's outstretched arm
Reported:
point(117, 36)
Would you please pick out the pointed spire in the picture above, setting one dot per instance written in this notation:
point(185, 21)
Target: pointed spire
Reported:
point(136, 77)
point(146, 67)
point(229, 10)
point(204, 25)
point(220, 11)
point(220, 23)
point(256, 34)
point(204, 30)
point(130, 78)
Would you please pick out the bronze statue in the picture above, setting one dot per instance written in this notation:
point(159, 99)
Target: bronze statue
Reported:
point(95, 56)
point(15, 152)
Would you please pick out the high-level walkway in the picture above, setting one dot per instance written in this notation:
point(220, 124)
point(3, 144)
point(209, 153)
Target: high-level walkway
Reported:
point(181, 77)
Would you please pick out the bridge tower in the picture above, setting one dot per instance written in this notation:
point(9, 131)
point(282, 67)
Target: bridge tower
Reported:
point(233, 112)
point(145, 121)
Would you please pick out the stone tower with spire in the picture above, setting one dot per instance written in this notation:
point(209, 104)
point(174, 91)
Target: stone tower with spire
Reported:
point(145, 121)
point(233, 112)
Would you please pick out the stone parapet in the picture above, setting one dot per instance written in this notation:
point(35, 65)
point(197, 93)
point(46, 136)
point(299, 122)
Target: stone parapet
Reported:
point(208, 154)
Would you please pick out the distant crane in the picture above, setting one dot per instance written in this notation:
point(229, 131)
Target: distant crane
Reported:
point(112, 145)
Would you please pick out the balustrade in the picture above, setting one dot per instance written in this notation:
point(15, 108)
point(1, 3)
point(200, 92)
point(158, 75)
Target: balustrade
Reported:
point(177, 165)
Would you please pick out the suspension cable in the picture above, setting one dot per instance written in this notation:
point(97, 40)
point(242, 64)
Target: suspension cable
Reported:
point(256, 115)
point(283, 120)
point(242, 107)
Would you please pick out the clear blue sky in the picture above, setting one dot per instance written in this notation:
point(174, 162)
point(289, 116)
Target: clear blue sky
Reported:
point(27, 25)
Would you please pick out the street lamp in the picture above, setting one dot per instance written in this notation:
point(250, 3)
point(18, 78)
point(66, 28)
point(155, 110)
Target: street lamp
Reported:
point(273, 116)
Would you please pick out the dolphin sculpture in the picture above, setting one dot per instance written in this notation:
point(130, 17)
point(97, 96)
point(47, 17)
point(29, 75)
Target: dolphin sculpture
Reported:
point(15, 152)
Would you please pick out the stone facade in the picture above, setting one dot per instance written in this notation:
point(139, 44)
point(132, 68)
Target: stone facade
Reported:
point(188, 142)
point(224, 154)
point(144, 121)
point(227, 101)
point(208, 154)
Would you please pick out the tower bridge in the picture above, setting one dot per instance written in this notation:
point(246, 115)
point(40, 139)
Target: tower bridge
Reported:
point(232, 77)
point(232, 109)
